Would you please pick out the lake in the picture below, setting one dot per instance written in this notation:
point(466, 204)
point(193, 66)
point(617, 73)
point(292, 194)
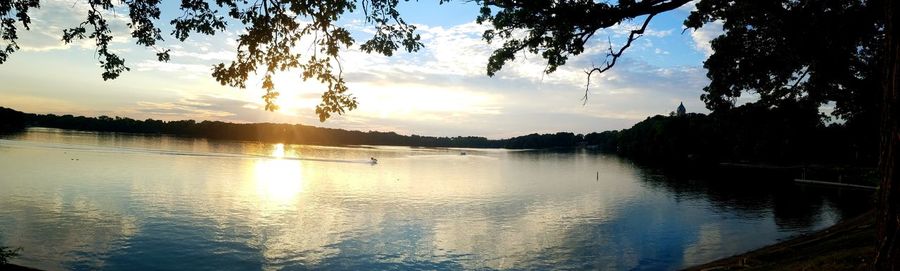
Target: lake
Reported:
point(85, 200)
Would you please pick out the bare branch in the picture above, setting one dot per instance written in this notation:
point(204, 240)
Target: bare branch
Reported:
point(634, 35)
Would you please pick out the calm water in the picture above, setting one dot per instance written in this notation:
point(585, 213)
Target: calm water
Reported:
point(80, 200)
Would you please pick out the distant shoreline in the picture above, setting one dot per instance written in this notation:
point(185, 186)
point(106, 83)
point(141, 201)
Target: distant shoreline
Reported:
point(749, 135)
point(13, 120)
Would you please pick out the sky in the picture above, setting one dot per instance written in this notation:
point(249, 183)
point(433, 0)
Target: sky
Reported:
point(441, 90)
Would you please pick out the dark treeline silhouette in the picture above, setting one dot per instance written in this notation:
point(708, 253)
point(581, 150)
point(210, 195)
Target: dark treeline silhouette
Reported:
point(11, 119)
point(275, 133)
point(753, 133)
point(788, 134)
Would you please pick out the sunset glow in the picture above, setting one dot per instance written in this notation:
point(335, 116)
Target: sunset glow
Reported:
point(405, 93)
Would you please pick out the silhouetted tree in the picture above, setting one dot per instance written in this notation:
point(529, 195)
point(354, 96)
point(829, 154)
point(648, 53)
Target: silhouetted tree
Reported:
point(847, 31)
point(11, 120)
point(805, 50)
point(272, 31)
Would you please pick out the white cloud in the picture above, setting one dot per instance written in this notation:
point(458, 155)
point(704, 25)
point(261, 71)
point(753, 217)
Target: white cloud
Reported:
point(441, 90)
point(446, 84)
point(705, 34)
point(625, 28)
point(153, 65)
point(690, 6)
point(49, 21)
point(200, 107)
point(208, 54)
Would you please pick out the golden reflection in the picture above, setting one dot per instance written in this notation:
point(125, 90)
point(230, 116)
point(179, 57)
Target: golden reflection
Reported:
point(278, 180)
point(278, 150)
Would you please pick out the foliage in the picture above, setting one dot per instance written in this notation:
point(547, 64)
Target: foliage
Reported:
point(793, 54)
point(556, 29)
point(812, 51)
point(536, 141)
point(749, 133)
point(295, 134)
point(11, 120)
point(818, 51)
point(273, 38)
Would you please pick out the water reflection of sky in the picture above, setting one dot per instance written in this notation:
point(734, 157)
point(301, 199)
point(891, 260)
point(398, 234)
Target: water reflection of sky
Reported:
point(83, 201)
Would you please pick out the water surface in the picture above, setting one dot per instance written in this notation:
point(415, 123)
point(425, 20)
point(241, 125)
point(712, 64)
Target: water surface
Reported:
point(84, 200)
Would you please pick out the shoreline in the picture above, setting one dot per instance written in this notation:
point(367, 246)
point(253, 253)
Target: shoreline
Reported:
point(847, 245)
point(15, 267)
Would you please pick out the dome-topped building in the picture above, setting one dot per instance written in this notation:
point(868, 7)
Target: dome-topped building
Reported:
point(681, 112)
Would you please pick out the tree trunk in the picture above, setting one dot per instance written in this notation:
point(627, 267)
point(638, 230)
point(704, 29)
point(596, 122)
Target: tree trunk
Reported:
point(887, 256)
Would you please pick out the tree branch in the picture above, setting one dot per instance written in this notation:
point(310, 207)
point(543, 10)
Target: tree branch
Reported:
point(634, 35)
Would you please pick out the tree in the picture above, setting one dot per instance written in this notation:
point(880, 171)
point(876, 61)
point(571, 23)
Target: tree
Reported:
point(829, 59)
point(273, 32)
point(888, 252)
point(795, 40)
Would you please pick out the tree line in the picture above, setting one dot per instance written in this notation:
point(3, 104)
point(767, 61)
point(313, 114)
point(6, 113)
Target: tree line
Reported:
point(273, 132)
point(843, 52)
point(788, 134)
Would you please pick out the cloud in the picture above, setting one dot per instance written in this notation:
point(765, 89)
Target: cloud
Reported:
point(703, 36)
point(690, 6)
point(202, 107)
point(221, 55)
point(624, 29)
point(153, 65)
point(441, 90)
point(49, 21)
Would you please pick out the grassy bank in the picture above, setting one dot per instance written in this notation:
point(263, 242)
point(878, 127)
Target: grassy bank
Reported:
point(849, 245)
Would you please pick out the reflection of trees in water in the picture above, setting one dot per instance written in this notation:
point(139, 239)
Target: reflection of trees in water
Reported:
point(793, 206)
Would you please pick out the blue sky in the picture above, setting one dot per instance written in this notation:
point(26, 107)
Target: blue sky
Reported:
point(441, 90)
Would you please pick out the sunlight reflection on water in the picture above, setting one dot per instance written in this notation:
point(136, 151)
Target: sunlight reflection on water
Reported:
point(278, 181)
point(133, 202)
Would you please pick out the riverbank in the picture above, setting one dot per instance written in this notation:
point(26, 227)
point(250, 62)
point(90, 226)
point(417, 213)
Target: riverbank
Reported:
point(849, 245)
point(13, 267)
